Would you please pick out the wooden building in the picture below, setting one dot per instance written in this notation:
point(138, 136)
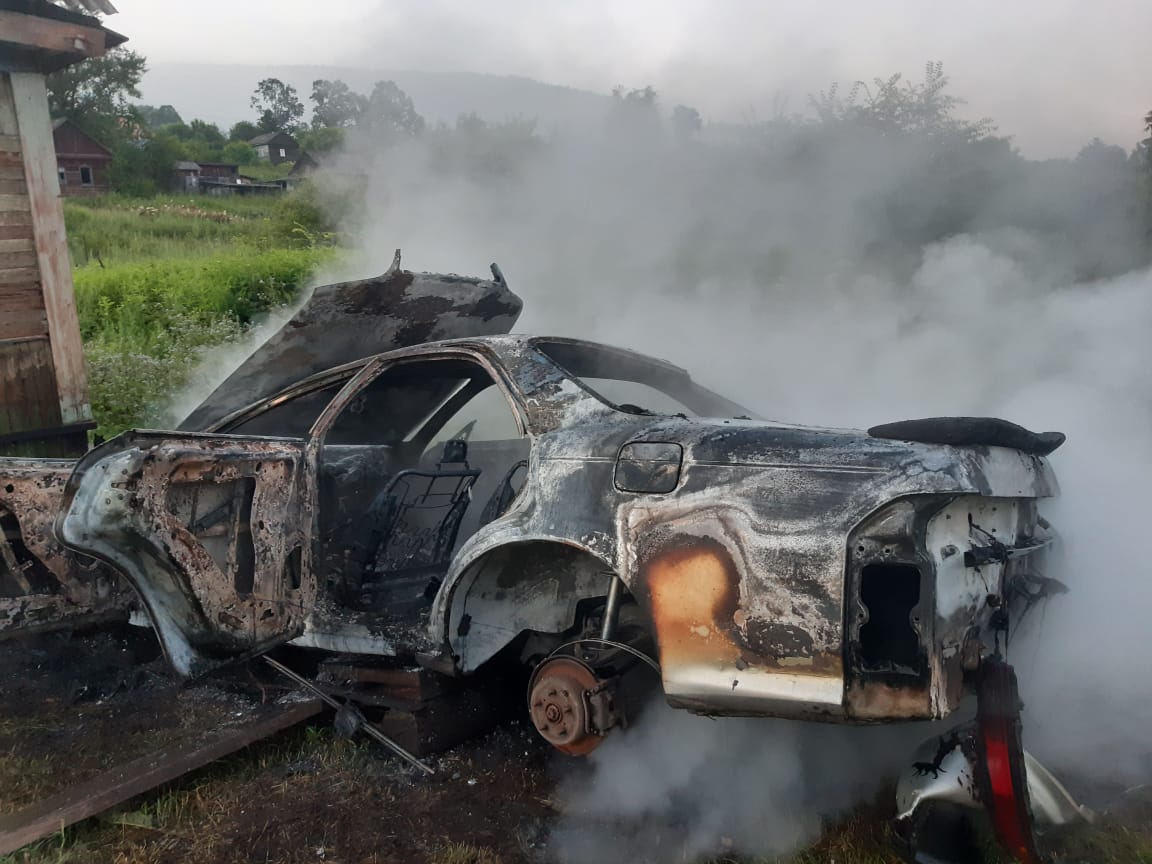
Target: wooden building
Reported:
point(82, 162)
point(44, 407)
point(275, 147)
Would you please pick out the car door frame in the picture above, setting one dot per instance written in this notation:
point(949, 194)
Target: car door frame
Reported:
point(372, 370)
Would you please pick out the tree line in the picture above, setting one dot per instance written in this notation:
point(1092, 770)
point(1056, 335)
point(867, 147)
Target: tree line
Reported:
point(946, 157)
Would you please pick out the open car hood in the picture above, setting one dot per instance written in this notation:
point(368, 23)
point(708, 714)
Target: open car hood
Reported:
point(346, 321)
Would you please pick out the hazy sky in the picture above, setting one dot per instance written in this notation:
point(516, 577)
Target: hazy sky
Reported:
point(1052, 73)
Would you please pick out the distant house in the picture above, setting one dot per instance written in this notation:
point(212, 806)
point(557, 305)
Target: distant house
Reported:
point(187, 177)
point(226, 172)
point(81, 161)
point(275, 147)
point(216, 178)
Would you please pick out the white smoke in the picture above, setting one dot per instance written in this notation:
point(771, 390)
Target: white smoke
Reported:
point(787, 279)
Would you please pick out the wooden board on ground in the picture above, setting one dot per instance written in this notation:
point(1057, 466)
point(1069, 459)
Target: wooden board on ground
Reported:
point(141, 775)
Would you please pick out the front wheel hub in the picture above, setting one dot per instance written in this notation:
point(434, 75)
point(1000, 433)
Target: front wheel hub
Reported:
point(571, 707)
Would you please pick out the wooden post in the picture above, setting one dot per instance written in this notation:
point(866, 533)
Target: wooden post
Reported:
point(31, 101)
point(44, 408)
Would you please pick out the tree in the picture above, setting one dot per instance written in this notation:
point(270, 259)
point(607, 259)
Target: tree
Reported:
point(481, 149)
point(145, 167)
point(893, 106)
point(240, 152)
point(243, 131)
point(95, 92)
point(390, 113)
point(207, 132)
point(280, 108)
point(320, 141)
point(635, 113)
point(154, 117)
point(336, 106)
point(686, 122)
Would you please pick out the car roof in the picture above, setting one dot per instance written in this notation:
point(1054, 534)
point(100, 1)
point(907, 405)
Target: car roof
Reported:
point(500, 346)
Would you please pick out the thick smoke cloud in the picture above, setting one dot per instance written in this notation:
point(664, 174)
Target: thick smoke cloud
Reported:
point(832, 275)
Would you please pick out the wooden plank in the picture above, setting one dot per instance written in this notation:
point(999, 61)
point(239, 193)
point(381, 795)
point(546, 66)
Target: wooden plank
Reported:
point(48, 34)
point(10, 168)
point(30, 99)
point(142, 775)
point(16, 232)
point(16, 203)
point(22, 218)
point(17, 245)
point(8, 124)
point(10, 144)
point(28, 397)
point(23, 323)
point(401, 686)
point(14, 260)
point(14, 186)
point(19, 276)
point(21, 295)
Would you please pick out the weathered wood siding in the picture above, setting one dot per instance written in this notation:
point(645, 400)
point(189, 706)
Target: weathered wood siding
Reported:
point(28, 398)
point(21, 298)
point(43, 384)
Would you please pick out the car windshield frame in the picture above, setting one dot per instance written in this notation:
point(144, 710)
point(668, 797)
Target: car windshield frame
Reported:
point(581, 361)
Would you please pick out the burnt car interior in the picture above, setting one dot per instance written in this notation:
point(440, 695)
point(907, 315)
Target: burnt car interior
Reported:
point(417, 462)
point(21, 572)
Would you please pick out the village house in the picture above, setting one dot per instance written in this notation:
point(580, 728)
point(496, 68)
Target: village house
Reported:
point(82, 162)
point(275, 147)
point(217, 178)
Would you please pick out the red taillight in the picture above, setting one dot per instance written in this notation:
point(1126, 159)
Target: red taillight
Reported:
point(1003, 757)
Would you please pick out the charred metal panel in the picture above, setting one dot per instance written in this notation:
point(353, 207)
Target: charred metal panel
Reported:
point(43, 585)
point(952, 619)
point(349, 320)
point(785, 571)
point(210, 532)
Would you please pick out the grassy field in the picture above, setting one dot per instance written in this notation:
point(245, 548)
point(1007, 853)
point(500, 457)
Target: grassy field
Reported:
point(158, 281)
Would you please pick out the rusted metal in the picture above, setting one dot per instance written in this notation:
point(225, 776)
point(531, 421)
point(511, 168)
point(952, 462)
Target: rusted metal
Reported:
point(790, 571)
point(350, 710)
point(570, 706)
point(348, 320)
point(119, 784)
point(44, 585)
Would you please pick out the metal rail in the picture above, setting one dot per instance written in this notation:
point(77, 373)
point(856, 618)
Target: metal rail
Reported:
point(360, 721)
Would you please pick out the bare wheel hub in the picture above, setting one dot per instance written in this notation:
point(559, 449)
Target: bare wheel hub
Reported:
point(570, 706)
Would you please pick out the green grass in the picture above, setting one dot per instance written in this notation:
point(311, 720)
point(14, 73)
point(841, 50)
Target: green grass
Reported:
point(159, 281)
point(190, 820)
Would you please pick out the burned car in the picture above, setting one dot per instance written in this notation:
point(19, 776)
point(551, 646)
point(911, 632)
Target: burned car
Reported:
point(579, 508)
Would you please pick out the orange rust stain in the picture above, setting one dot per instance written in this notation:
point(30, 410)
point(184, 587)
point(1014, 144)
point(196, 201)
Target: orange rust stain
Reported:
point(694, 597)
point(875, 700)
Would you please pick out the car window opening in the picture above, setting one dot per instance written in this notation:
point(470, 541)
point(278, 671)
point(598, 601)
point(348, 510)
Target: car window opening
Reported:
point(635, 384)
point(416, 463)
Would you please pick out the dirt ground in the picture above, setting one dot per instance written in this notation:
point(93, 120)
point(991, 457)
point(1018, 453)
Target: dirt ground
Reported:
point(72, 705)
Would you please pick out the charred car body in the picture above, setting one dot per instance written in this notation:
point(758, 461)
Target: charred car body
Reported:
point(570, 505)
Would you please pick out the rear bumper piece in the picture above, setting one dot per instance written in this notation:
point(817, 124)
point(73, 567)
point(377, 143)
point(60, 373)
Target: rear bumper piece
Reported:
point(952, 779)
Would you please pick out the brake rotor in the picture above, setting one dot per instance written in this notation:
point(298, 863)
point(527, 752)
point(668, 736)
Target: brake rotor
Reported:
point(1005, 777)
point(558, 702)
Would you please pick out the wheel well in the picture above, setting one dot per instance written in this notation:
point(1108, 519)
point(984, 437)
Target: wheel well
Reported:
point(535, 586)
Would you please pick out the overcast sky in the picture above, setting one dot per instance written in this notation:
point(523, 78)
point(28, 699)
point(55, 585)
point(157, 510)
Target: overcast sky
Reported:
point(1052, 73)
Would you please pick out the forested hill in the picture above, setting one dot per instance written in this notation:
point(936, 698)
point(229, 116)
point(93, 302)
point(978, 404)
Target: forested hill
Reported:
point(220, 93)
